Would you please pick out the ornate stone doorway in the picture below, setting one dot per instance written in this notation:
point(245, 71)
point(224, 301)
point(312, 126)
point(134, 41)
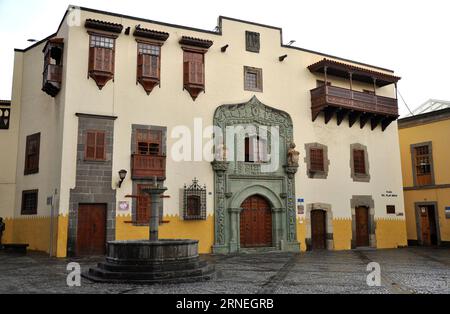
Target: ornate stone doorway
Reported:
point(256, 223)
point(236, 180)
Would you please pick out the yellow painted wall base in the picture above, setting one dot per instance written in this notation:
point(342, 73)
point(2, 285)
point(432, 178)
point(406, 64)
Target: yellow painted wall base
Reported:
point(61, 243)
point(301, 234)
point(390, 233)
point(342, 234)
point(176, 228)
point(34, 231)
point(8, 234)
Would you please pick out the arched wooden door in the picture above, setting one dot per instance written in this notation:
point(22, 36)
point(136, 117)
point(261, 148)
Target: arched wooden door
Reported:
point(256, 223)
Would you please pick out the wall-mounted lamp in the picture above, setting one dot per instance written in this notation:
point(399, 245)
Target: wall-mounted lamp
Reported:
point(122, 176)
point(224, 48)
point(282, 58)
point(127, 31)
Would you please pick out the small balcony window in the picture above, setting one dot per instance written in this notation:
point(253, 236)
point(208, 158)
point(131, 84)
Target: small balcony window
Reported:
point(52, 74)
point(149, 64)
point(253, 79)
point(422, 160)
point(101, 58)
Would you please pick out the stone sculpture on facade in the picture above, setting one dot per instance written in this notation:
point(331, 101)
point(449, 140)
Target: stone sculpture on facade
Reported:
point(293, 156)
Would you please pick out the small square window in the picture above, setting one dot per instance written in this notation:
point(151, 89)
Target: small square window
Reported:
point(253, 79)
point(390, 209)
point(252, 41)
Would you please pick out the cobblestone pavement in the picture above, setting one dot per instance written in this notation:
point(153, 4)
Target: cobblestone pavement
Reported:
point(408, 270)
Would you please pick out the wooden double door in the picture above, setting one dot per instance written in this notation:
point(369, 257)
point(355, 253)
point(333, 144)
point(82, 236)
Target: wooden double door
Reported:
point(318, 230)
point(256, 223)
point(428, 225)
point(91, 231)
point(362, 226)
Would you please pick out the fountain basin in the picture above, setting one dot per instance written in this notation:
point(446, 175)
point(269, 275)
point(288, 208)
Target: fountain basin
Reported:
point(150, 262)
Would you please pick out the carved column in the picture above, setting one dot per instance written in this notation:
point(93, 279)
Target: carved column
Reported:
point(291, 214)
point(220, 168)
point(234, 232)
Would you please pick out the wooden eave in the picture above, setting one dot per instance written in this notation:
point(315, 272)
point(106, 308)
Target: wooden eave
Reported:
point(341, 69)
point(103, 26)
point(150, 34)
point(196, 42)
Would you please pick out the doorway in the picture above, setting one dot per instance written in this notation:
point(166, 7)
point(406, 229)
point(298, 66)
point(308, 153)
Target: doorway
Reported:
point(318, 230)
point(362, 226)
point(91, 232)
point(256, 223)
point(428, 225)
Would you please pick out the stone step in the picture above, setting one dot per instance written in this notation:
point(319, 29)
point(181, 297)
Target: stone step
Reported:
point(102, 275)
point(194, 264)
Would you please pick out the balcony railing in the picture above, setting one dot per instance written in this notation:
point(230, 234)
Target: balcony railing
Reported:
point(331, 99)
point(148, 166)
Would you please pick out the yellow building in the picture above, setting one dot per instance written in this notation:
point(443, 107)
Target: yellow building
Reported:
point(425, 153)
point(109, 92)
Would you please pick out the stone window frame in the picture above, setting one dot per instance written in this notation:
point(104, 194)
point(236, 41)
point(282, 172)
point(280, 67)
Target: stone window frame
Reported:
point(252, 47)
point(364, 201)
point(136, 182)
point(329, 224)
point(413, 161)
point(357, 177)
point(326, 162)
point(259, 79)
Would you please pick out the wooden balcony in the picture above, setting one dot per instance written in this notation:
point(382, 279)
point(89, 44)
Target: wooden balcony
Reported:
point(360, 106)
point(51, 81)
point(148, 167)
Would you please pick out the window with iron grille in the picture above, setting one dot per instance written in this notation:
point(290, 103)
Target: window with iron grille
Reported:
point(253, 79)
point(359, 164)
point(194, 201)
point(32, 151)
point(252, 41)
point(29, 202)
point(316, 155)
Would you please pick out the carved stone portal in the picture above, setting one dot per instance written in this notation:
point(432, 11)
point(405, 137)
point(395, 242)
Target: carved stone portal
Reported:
point(235, 181)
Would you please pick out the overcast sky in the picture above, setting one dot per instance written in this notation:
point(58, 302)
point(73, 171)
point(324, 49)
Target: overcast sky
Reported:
point(410, 37)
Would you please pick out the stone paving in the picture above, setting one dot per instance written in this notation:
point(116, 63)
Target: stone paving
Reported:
point(407, 270)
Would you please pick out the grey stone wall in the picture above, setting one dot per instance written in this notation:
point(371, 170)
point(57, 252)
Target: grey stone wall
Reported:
point(93, 178)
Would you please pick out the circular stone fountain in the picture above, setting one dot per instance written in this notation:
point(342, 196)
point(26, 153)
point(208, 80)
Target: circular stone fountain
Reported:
point(152, 261)
point(147, 262)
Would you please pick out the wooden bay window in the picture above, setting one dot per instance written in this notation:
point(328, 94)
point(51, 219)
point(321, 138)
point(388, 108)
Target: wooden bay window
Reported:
point(194, 72)
point(148, 65)
point(101, 58)
point(148, 160)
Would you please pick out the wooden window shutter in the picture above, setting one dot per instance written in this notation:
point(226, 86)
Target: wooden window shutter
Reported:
point(316, 155)
point(359, 163)
point(32, 151)
point(100, 146)
point(90, 145)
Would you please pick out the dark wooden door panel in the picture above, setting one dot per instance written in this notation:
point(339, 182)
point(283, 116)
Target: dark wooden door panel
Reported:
point(318, 229)
point(362, 226)
point(425, 226)
point(256, 223)
point(91, 233)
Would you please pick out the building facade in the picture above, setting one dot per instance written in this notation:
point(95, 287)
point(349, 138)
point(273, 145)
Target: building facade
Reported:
point(109, 92)
point(426, 176)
